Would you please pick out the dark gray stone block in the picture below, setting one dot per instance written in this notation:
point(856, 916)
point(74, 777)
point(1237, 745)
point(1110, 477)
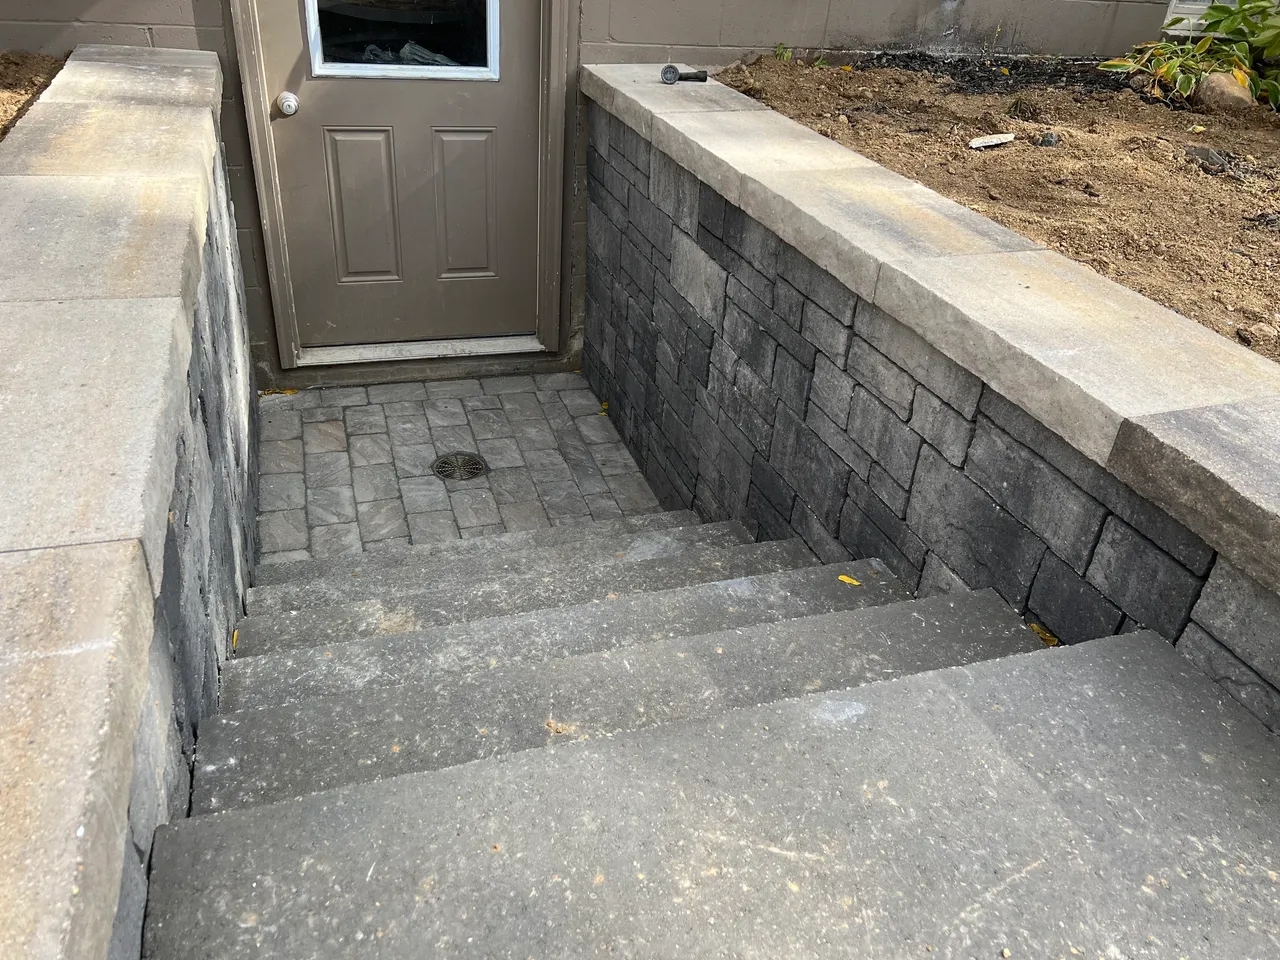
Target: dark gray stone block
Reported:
point(1148, 519)
point(1106, 711)
point(1143, 580)
point(946, 430)
point(887, 489)
point(943, 376)
point(937, 578)
point(774, 489)
point(832, 391)
point(263, 756)
point(513, 594)
point(971, 532)
point(745, 337)
point(1245, 616)
point(824, 543)
point(838, 441)
point(650, 221)
point(752, 241)
point(826, 333)
point(817, 285)
point(877, 429)
point(604, 239)
point(1068, 606)
point(711, 209)
point(1056, 510)
point(816, 473)
point(864, 538)
point(674, 190)
point(791, 381)
point(882, 377)
point(1232, 674)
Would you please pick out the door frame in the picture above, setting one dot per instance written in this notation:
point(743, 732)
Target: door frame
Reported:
point(553, 78)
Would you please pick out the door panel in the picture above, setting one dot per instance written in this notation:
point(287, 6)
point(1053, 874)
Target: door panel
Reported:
point(466, 194)
point(362, 199)
point(409, 199)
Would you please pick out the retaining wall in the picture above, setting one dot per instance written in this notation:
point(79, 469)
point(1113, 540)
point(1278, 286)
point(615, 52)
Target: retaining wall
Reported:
point(790, 335)
point(125, 526)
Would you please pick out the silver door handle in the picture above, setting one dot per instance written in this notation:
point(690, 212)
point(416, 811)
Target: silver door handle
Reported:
point(288, 103)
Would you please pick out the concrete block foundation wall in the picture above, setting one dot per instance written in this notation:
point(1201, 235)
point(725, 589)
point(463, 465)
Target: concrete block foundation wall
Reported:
point(751, 384)
point(126, 525)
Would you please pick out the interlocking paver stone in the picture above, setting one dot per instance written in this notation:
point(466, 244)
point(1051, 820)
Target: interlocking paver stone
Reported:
point(328, 470)
point(330, 436)
point(474, 508)
point(370, 448)
point(283, 530)
point(280, 456)
point(329, 505)
point(281, 491)
point(375, 482)
point(370, 419)
point(433, 527)
point(382, 520)
point(337, 540)
point(349, 468)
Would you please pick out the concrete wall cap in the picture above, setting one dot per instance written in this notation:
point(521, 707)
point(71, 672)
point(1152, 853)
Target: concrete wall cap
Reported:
point(1161, 401)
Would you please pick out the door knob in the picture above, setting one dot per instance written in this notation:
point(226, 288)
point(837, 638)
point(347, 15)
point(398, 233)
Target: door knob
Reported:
point(288, 103)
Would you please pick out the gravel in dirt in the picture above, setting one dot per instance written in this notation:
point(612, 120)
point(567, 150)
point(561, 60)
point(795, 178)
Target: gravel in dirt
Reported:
point(22, 78)
point(1180, 206)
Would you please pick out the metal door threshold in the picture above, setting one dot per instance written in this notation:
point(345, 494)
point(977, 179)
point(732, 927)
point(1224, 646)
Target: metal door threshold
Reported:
point(418, 350)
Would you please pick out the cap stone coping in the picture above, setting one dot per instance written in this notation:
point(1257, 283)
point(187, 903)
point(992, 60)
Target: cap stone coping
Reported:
point(1184, 416)
point(75, 626)
point(138, 75)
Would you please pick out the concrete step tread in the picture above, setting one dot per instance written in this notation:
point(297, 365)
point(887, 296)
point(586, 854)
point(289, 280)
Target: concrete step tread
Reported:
point(433, 573)
point(512, 594)
point(305, 570)
point(1100, 795)
point(263, 756)
point(291, 676)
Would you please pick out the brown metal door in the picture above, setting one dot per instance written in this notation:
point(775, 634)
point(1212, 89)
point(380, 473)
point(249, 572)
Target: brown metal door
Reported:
point(408, 175)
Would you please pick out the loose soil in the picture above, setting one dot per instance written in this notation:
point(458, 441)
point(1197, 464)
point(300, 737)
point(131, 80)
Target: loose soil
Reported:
point(22, 78)
point(1119, 192)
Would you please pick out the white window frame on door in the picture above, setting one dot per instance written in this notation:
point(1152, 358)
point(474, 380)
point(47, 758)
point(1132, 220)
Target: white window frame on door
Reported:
point(398, 71)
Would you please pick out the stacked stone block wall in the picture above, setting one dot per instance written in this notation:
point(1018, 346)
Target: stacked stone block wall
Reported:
point(751, 384)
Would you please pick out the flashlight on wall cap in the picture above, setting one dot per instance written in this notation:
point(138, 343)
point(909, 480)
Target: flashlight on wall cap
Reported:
point(671, 74)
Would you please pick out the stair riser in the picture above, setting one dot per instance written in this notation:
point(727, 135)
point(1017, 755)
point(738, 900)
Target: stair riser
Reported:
point(463, 550)
point(312, 673)
point(436, 574)
point(321, 625)
point(265, 756)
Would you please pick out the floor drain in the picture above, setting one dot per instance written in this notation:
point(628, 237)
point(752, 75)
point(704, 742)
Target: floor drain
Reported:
point(459, 466)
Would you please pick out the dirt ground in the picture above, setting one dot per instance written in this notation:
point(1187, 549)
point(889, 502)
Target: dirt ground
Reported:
point(1119, 192)
point(22, 77)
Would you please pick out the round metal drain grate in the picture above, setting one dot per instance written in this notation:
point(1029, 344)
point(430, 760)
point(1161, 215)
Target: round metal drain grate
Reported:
point(459, 466)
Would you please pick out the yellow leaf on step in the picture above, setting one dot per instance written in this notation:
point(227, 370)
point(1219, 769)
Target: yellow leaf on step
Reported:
point(844, 578)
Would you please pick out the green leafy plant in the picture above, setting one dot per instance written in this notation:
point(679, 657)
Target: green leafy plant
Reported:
point(821, 61)
point(1241, 39)
point(782, 52)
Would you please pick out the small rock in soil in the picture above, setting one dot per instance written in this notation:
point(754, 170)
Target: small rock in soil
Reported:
point(1222, 93)
point(1258, 333)
point(1049, 139)
point(995, 140)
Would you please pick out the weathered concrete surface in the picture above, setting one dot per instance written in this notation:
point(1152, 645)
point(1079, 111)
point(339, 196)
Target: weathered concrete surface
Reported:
point(261, 756)
point(132, 76)
point(492, 598)
point(73, 475)
point(279, 679)
point(634, 93)
point(75, 625)
point(460, 575)
point(1216, 469)
point(1034, 804)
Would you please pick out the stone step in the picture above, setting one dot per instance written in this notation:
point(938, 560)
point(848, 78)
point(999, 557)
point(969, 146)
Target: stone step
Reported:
point(1099, 799)
point(304, 570)
point(433, 573)
point(263, 756)
point(278, 679)
point(514, 594)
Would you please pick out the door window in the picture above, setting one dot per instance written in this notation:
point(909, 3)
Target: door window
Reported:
point(440, 39)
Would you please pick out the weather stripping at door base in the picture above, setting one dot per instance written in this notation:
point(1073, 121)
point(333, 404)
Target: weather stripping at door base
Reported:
point(418, 350)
